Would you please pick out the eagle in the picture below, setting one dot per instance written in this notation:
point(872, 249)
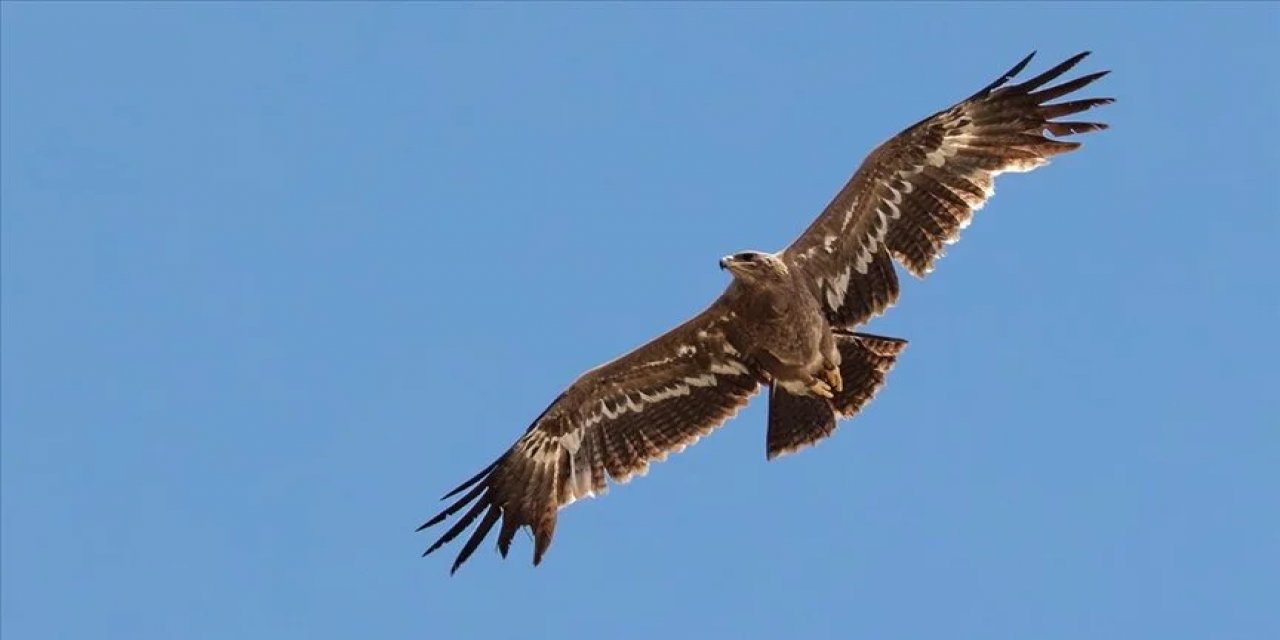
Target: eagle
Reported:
point(785, 321)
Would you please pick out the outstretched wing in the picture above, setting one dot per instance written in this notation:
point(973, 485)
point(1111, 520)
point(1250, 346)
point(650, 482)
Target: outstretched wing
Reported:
point(613, 420)
point(916, 191)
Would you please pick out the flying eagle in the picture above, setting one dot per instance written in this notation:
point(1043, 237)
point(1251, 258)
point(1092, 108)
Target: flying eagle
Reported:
point(785, 321)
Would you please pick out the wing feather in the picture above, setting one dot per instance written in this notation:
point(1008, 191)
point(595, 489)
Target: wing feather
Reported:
point(610, 424)
point(485, 526)
point(917, 191)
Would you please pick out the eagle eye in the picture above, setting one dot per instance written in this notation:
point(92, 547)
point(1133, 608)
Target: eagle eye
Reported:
point(745, 257)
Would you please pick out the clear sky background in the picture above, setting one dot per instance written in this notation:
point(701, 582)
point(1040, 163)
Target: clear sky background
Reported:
point(277, 276)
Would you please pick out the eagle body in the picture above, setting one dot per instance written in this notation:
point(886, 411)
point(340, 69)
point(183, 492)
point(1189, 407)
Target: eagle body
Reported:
point(782, 329)
point(786, 322)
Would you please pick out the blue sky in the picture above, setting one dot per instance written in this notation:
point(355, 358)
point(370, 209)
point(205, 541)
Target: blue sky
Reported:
point(277, 276)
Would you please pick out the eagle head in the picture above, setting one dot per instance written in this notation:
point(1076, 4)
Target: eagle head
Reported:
point(754, 266)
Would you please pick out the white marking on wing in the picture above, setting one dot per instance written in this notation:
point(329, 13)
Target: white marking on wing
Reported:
point(794, 387)
point(1022, 165)
point(664, 393)
point(580, 480)
point(848, 216)
point(837, 288)
point(654, 363)
point(572, 440)
point(605, 411)
point(894, 212)
point(729, 367)
point(579, 485)
point(612, 408)
point(861, 262)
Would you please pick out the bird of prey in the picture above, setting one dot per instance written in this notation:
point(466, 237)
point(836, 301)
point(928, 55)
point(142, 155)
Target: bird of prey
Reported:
point(784, 322)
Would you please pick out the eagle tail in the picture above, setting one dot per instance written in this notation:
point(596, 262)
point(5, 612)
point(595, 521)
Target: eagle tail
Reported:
point(796, 422)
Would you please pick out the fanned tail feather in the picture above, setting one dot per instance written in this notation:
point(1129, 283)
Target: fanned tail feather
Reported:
point(796, 422)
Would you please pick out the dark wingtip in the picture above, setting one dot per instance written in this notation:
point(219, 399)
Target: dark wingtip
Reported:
point(1057, 91)
point(1062, 129)
point(1074, 60)
point(435, 520)
point(505, 535)
point(481, 532)
point(431, 549)
point(463, 522)
point(1004, 77)
point(1049, 75)
point(454, 508)
point(1016, 69)
point(542, 535)
point(472, 480)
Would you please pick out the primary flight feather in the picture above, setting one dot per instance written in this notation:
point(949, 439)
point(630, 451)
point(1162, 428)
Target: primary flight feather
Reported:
point(785, 321)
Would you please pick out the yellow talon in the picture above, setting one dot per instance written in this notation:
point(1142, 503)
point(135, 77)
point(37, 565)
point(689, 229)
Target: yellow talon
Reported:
point(834, 380)
point(820, 388)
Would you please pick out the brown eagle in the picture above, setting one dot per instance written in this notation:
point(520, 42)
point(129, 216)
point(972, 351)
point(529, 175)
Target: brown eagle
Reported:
point(785, 320)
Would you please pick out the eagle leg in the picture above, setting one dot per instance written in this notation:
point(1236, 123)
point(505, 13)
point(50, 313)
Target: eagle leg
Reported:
point(831, 375)
point(820, 387)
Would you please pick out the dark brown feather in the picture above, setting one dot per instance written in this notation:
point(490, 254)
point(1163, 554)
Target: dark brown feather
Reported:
point(865, 361)
point(1048, 76)
point(934, 175)
point(796, 422)
point(490, 517)
point(612, 422)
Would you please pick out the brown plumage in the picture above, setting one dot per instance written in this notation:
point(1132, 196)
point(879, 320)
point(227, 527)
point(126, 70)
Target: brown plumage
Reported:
point(785, 320)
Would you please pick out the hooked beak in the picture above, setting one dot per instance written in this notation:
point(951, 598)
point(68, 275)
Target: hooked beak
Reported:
point(724, 262)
